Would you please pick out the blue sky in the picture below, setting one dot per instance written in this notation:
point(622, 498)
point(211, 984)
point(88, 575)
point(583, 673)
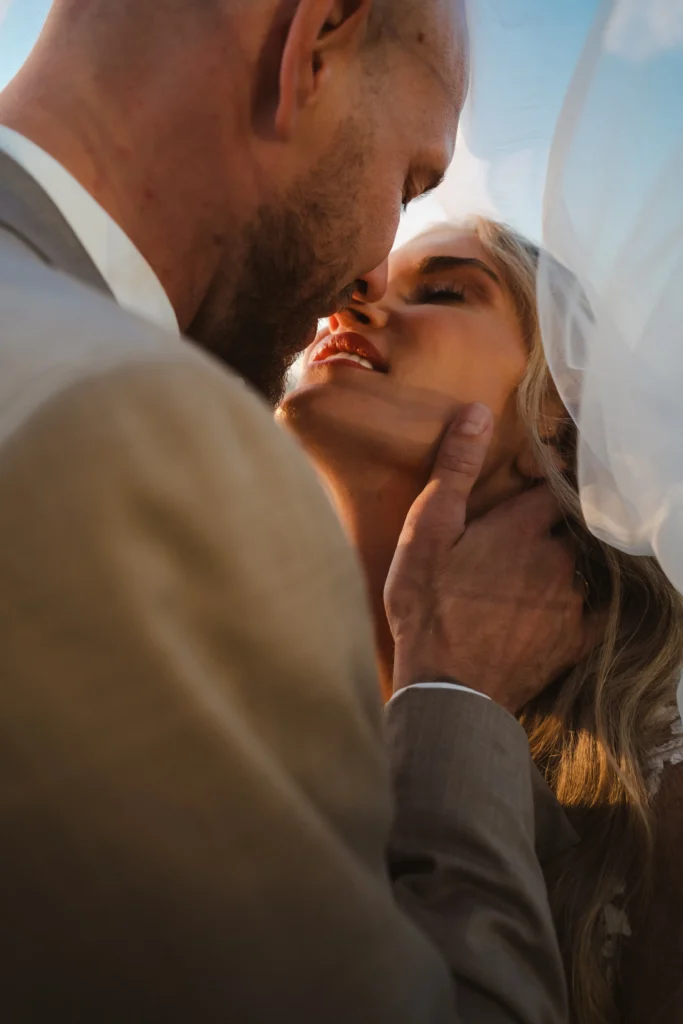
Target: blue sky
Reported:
point(22, 22)
point(524, 54)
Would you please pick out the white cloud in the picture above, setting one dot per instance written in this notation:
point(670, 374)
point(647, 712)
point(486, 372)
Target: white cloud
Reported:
point(421, 215)
point(517, 180)
point(4, 8)
point(465, 190)
point(463, 193)
point(640, 29)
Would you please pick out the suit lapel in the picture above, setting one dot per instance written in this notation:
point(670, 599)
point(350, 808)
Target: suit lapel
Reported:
point(28, 212)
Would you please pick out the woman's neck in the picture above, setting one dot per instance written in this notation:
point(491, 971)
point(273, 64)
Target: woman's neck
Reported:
point(373, 502)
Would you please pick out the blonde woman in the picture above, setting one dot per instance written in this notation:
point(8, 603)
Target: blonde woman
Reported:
point(458, 324)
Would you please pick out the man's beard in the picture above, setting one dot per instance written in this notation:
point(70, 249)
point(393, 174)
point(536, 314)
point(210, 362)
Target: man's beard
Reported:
point(282, 293)
point(294, 267)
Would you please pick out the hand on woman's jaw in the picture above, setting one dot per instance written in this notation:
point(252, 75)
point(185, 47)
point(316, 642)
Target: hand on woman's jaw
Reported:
point(375, 468)
point(444, 335)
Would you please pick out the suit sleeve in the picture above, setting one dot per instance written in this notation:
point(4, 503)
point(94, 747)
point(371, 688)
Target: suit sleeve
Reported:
point(194, 795)
point(464, 858)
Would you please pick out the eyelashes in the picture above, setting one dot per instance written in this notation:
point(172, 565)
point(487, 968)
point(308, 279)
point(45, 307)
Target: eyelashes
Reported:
point(426, 294)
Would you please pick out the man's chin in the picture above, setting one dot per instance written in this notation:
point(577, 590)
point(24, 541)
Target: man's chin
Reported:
point(310, 337)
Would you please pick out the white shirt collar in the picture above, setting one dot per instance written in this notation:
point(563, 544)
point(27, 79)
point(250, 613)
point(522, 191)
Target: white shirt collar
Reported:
point(129, 276)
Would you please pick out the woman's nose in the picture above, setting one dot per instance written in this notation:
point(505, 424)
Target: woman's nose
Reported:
point(364, 313)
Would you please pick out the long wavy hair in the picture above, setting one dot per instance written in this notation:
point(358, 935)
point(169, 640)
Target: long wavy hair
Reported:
point(593, 732)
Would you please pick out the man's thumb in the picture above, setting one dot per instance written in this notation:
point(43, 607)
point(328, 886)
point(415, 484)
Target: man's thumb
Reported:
point(437, 519)
point(463, 451)
point(441, 510)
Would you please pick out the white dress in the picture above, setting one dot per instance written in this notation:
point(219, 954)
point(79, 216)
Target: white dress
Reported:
point(615, 919)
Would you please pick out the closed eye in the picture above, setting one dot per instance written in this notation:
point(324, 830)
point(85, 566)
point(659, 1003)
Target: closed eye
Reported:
point(443, 293)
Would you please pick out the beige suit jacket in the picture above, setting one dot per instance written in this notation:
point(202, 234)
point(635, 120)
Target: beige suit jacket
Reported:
point(195, 796)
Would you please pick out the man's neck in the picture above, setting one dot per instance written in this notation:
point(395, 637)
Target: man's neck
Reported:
point(148, 192)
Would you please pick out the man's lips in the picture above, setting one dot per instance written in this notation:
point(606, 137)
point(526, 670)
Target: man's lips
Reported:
point(351, 350)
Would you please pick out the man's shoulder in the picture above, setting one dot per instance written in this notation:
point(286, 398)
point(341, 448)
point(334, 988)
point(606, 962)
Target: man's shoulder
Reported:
point(101, 385)
point(51, 321)
point(62, 339)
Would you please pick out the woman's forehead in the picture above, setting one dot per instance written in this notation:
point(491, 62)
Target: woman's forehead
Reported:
point(442, 240)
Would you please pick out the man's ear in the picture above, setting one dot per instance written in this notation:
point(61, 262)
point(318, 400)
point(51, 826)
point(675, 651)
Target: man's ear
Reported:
point(321, 33)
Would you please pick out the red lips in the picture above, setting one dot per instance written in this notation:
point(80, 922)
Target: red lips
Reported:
point(352, 344)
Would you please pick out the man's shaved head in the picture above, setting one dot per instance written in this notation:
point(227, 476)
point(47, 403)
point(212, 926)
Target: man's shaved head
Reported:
point(257, 152)
point(418, 27)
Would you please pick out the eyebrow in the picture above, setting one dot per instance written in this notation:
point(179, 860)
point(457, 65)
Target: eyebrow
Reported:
point(435, 264)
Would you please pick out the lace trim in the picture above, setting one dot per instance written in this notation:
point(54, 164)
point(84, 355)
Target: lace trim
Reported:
point(614, 918)
point(616, 927)
point(669, 753)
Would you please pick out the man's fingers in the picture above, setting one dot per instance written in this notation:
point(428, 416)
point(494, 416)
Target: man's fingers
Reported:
point(438, 515)
point(463, 450)
point(537, 509)
point(442, 507)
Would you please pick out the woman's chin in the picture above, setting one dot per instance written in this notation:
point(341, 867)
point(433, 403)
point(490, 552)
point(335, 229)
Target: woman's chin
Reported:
point(354, 423)
point(355, 416)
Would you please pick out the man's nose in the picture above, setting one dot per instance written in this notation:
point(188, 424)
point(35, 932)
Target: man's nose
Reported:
point(372, 287)
point(364, 307)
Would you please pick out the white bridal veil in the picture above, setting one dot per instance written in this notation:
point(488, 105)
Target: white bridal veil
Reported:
point(613, 328)
point(583, 100)
point(610, 289)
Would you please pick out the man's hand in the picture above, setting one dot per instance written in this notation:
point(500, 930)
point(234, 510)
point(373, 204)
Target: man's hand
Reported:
point(497, 606)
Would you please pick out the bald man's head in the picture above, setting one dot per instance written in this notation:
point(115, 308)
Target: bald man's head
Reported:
point(257, 152)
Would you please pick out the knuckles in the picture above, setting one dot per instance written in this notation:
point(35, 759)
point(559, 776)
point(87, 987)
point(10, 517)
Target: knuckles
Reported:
point(461, 461)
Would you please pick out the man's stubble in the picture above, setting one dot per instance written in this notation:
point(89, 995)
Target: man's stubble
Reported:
point(295, 266)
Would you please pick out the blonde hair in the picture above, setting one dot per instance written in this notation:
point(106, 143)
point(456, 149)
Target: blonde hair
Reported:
point(593, 732)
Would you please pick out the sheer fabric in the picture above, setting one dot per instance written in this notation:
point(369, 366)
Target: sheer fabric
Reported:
point(613, 326)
